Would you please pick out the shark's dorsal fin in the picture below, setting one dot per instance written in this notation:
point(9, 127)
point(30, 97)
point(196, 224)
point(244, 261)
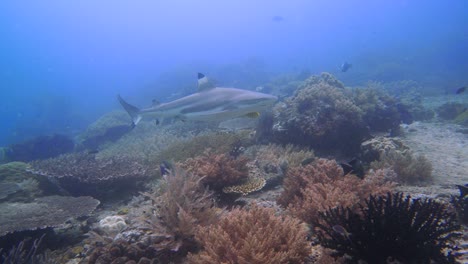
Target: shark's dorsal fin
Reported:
point(204, 83)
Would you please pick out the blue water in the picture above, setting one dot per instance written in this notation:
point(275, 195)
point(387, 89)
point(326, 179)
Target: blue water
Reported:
point(63, 62)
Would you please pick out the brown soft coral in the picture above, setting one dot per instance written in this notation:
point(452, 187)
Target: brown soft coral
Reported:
point(315, 188)
point(164, 230)
point(218, 170)
point(256, 236)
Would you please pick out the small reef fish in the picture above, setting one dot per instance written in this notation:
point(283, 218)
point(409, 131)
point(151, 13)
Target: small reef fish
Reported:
point(165, 168)
point(461, 90)
point(208, 104)
point(342, 231)
point(345, 66)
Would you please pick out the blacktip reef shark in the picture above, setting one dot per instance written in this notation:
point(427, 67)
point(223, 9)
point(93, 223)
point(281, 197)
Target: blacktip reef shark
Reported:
point(208, 104)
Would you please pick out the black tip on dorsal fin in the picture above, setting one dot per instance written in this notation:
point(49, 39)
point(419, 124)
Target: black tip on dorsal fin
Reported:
point(200, 76)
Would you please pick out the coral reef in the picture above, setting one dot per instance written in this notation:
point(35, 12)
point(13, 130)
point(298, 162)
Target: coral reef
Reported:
point(275, 158)
point(49, 211)
point(380, 110)
point(410, 169)
point(217, 170)
point(85, 174)
point(462, 119)
point(255, 236)
point(18, 185)
point(314, 188)
point(111, 134)
point(196, 146)
point(373, 149)
point(450, 111)
point(390, 228)
point(105, 122)
point(163, 230)
point(112, 225)
point(42, 147)
point(145, 142)
point(321, 115)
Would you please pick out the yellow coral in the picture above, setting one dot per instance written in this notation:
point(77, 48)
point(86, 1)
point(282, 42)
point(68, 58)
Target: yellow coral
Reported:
point(251, 185)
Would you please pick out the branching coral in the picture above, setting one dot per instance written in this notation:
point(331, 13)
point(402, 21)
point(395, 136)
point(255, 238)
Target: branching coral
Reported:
point(183, 206)
point(218, 170)
point(390, 228)
point(256, 236)
point(166, 229)
point(313, 189)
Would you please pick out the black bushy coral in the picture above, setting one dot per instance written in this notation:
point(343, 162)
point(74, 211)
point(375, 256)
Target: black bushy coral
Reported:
point(391, 227)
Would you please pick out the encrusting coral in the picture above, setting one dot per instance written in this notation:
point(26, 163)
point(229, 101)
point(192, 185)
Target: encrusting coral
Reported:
point(256, 236)
point(314, 188)
point(390, 228)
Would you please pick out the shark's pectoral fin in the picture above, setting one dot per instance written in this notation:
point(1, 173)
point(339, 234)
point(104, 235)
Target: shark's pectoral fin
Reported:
point(253, 115)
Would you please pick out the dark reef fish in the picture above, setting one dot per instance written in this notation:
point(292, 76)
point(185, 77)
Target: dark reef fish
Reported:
point(353, 166)
point(345, 66)
point(461, 90)
point(166, 168)
point(208, 104)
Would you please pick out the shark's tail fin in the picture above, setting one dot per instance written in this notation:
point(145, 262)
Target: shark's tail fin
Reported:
point(133, 111)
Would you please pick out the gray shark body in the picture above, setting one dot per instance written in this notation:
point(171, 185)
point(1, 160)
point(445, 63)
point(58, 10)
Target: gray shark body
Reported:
point(209, 104)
